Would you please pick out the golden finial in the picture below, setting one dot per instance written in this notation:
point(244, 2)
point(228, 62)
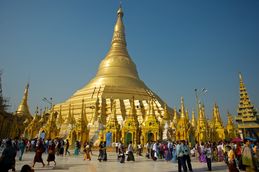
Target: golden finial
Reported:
point(120, 12)
point(240, 76)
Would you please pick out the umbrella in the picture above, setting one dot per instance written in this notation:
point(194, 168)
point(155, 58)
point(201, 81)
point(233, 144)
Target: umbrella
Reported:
point(251, 139)
point(236, 140)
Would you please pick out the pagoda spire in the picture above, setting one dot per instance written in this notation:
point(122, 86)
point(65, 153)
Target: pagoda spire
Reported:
point(216, 114)
point(60, 119)
point(113, 115)
point(187, 115)
point(182, 109)
point(119, 30)
point(23, 108)
point(117, 61)
point(166, 114)
point(182, 128)
point(83, 117)
point(193, 121)
point(69, 119)
point(246, 109)
point(217, 125)
point(230, 126)
point(151, 109)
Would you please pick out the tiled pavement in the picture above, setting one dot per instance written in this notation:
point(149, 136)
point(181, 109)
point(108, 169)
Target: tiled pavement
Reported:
point(141, 164)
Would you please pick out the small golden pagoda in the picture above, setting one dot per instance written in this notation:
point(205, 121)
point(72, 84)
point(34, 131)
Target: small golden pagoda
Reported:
point(247, 118)
point(201, 132)
point(83, 123)
point(59, 120)
point(23, 113)
point(50, 128)
point(23, 109)
point(150, 127)
point(230, 127)
point(130, 127)
point(183, 127)
point(193, 126)
point(217, 125)
point(32, 129)
point(112, 126)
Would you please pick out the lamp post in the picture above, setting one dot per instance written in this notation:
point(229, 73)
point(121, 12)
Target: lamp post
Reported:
point(49, 101)
point(198, 93)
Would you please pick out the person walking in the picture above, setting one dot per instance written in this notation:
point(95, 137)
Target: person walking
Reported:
point(155, 151)
point(186, 155)
point(117, 147)
point(21, 147)
point(130, 152)
point(77, 148)
point(247, 157)
point(208, 154)
point(87, 151)
point(174, 154)
point(101, 156)
point(67, 148)
point(121, 150)
point(51, 152)
point(180, 158)
point(232, 167)
point(38, 154)
point(8, 157)
point(139, 149)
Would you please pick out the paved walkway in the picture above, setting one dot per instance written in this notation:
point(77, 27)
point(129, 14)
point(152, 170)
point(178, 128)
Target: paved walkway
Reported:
point(141, 164)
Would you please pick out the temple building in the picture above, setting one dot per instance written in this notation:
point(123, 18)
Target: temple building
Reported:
point(106, 103)
point(247, 118)
point(116, 105)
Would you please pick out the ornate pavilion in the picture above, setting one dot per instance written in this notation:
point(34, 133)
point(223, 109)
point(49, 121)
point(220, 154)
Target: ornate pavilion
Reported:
point(247, 118)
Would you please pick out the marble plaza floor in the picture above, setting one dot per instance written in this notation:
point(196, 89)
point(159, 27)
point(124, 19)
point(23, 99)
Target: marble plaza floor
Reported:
point(141, 164)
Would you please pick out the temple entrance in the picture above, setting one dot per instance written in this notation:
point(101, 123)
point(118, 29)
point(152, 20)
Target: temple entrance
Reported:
point(150, 136)
point(108, 139)
point(128, 138)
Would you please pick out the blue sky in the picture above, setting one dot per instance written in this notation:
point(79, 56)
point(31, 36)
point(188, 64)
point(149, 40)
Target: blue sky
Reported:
point(177, 46)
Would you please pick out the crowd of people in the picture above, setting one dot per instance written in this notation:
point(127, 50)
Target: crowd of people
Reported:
point(241, 155)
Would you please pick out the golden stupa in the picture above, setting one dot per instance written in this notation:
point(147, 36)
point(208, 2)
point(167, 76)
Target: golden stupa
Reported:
point(116, 82)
